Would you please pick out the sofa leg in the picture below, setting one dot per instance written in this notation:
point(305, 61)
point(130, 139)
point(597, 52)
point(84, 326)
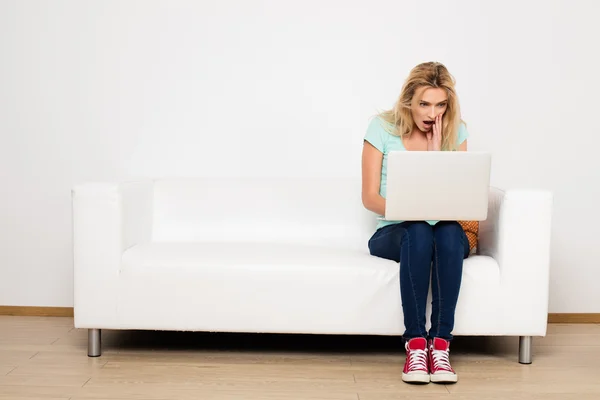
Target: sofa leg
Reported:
point(525, 349)
point(94, 343)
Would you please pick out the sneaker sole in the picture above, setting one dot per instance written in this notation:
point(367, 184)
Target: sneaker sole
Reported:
point(415, 378)
point(444, 378)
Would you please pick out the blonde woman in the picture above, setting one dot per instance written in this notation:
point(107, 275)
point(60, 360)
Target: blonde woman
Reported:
point(426, 117)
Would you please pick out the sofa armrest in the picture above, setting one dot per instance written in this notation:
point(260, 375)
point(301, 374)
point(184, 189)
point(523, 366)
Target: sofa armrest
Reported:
point(108, 218)
point(517, 234)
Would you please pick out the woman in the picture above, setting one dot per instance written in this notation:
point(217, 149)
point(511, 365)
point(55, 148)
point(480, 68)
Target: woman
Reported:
point(426, 117)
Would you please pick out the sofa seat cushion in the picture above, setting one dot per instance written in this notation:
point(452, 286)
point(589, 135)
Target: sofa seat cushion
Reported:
point(273, 287)
point(202, 255)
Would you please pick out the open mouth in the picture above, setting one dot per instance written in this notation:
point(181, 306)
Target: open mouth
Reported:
point(428, 123)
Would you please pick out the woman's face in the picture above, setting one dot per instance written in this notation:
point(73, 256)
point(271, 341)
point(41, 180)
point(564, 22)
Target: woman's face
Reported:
point(427, 104)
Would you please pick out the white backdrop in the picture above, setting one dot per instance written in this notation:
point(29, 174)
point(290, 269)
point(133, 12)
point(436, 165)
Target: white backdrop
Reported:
point(106, 90)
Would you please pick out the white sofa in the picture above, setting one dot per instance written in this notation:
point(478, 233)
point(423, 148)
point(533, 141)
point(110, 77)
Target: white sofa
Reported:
point(285, 255)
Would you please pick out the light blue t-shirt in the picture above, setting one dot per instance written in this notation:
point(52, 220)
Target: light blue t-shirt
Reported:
point(385, 142)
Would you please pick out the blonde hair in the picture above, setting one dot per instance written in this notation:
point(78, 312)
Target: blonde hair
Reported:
point(435, 75)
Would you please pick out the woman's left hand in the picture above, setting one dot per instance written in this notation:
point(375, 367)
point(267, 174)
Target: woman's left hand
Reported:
point(434, 140)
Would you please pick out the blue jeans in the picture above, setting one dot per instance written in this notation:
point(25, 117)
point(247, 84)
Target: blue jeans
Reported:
point(425, 251)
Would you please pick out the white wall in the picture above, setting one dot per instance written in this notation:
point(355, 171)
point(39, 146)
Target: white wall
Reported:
point(109, 90)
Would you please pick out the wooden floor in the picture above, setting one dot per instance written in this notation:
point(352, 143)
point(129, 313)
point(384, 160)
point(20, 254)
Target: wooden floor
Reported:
point(46, 358)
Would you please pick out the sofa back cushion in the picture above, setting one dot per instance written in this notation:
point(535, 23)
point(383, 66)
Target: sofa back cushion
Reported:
point(324, 211)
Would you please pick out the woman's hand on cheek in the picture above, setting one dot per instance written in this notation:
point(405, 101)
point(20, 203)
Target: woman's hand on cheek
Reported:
point(434, 136)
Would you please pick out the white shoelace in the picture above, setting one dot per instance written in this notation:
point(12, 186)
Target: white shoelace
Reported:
point(441, 359)
point(418, 360)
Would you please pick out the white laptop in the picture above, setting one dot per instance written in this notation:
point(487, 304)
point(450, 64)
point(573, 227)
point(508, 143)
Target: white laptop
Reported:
point(437, 185)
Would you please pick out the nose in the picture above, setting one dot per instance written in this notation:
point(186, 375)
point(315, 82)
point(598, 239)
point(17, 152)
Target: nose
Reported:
point(431, 113)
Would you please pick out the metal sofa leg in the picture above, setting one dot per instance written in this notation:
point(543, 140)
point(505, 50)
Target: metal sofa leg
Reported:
point(94, 343)
point(525, 349)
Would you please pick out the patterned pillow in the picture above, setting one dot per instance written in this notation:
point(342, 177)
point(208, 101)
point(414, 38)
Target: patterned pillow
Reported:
point(471, 228)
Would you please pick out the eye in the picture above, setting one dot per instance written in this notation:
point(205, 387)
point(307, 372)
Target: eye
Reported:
point(422, 104)
point(443, 105)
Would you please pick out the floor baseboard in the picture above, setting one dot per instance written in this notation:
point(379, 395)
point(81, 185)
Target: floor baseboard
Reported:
point(26, 311)
point(553, 318)
point(570, 318)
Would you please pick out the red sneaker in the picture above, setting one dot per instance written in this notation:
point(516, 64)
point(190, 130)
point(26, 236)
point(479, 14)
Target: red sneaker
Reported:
point(415, 367)
point(439, 362)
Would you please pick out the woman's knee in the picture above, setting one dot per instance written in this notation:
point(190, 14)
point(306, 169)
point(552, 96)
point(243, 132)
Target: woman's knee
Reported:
point(420, 234)
point(449, 236)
